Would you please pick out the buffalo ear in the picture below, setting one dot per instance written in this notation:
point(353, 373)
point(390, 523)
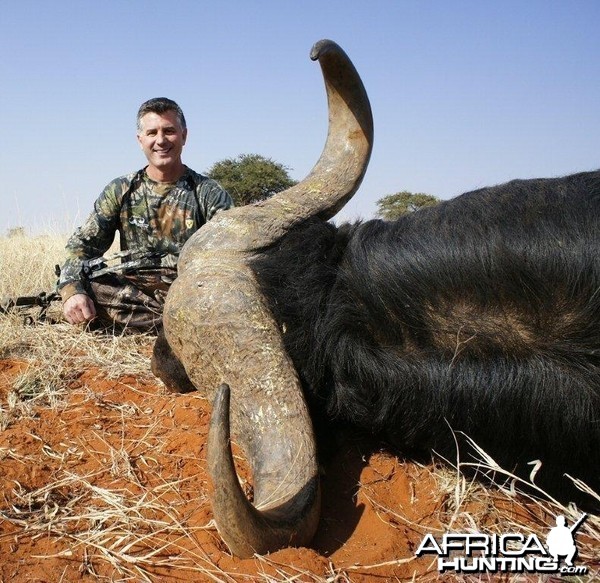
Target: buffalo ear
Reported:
point(168, 368)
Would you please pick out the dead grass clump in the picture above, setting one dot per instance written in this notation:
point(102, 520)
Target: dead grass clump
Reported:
point(59, 351)
point(71, 349)
point(531, 509)
point(136, 533)
point(27, 263)
point(32, 389)
point(503, 503)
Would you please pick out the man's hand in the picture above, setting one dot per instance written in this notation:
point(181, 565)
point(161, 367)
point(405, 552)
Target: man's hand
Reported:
point(79, 308)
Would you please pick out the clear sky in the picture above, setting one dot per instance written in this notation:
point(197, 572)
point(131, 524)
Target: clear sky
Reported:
point(464, 93)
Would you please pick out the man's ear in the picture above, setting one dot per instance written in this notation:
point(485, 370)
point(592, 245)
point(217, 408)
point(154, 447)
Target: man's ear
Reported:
point(139, 141)
point(184, 136)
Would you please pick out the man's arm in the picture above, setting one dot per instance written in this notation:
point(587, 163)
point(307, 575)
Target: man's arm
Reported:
point(90, 240)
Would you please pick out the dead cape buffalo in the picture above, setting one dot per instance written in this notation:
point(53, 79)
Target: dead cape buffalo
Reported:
point(480, 316)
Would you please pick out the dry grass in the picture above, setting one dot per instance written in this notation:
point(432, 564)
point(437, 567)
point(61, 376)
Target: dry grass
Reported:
point(138, 523)
point(27, 267)
point(113, 526)
point(27, 263)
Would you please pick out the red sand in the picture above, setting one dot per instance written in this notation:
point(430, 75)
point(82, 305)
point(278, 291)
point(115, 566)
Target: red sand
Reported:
point(132, 438)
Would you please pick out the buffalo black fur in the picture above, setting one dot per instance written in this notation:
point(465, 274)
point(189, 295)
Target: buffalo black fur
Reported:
point(479, 316)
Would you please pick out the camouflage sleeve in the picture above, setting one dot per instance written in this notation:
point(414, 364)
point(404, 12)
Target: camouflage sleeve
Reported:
point(92, 239)
point(213, 198)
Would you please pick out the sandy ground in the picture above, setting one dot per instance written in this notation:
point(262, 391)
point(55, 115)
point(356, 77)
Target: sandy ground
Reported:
point(109, 483)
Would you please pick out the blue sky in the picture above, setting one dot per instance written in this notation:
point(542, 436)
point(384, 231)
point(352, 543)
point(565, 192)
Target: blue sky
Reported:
point(464, 94)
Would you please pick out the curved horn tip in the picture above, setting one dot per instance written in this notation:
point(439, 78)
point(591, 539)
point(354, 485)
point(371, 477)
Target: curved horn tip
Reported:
point(222, 397)
point(323, 46)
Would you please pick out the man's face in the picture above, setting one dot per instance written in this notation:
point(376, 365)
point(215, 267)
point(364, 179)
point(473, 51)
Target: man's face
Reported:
point(162, 139)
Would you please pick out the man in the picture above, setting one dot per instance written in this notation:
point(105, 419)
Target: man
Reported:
point(155, 211)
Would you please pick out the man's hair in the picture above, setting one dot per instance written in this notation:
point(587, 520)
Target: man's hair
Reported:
point(159, 105)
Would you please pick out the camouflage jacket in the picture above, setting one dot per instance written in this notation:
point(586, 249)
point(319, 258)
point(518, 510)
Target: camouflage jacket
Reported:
point(149, 216)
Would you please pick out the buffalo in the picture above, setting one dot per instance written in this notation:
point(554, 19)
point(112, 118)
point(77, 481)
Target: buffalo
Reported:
point(478, 317)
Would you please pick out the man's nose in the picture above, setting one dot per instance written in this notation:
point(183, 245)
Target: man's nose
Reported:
point(161, 137)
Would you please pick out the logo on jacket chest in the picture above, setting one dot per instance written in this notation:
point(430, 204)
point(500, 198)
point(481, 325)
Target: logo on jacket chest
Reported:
point(140, 222)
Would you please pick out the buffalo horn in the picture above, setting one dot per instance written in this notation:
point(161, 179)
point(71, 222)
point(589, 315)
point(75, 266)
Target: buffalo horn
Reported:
point(220, 328)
